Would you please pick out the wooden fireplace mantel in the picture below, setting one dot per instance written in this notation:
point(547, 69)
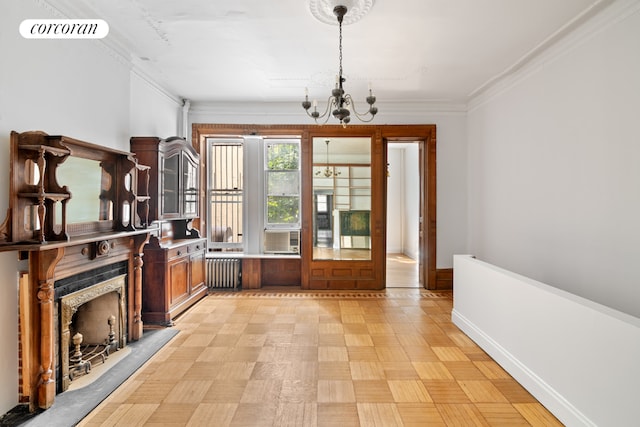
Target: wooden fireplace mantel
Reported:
point(48, 264)
point(53, 233)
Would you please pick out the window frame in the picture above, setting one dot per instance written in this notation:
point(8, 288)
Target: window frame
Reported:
point(212, 245)
point(267, 142)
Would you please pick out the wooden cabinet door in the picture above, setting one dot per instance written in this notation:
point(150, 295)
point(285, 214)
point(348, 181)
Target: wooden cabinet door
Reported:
point(198, 269)
point(190, 186)
point(178, 280)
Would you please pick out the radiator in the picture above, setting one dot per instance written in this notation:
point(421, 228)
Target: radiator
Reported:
point(223, 273)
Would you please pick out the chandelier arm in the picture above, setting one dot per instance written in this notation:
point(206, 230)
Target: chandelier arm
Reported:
point(324, 115)
point(361, 116)
point(330, 102)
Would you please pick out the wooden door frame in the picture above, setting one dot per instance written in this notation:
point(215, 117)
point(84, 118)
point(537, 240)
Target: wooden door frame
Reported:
point(425, 135)
point(383, 133)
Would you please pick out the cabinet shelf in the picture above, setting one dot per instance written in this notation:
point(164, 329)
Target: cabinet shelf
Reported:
point(350, 185)
point(46, 149)
point(62, 187)
point(48, 196)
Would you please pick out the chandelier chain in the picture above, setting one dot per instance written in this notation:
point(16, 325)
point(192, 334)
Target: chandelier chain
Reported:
point(340, 56)
point(340, 104)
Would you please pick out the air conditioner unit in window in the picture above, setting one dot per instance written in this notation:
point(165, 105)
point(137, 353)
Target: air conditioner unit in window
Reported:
point(282, 241)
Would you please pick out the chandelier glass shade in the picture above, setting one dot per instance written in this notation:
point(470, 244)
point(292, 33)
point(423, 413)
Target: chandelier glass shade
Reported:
point(340, 104)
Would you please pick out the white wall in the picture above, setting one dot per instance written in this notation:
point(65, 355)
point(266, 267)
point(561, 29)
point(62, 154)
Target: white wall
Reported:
point(554, 165)
point(411, 229)
point(153, 111)
point(577, 357)
point(395, 200)
point(403, 198)
point(78, 88)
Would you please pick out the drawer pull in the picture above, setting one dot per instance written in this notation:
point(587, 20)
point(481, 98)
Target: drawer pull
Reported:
point(179, 253)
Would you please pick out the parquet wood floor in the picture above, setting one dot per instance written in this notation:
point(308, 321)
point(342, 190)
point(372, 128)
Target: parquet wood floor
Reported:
point(282, 358)
point(402, 272)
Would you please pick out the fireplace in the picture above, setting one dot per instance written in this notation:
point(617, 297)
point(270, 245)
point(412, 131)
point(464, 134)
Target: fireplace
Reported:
point(91, 320)
point(75, 208)
point(76, 288)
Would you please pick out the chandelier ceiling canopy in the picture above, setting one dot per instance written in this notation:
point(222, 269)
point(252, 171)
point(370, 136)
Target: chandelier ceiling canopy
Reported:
point(322, 10)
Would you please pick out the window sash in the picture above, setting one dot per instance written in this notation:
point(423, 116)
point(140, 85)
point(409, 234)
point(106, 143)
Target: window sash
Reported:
point(282, 184)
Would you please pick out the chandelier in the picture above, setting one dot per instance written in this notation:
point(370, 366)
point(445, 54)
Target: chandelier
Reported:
point(327, 172)
point(340, 104)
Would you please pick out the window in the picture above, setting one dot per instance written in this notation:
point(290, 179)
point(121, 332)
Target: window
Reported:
point(282, 183)
point(254, 192)
point(225, 191)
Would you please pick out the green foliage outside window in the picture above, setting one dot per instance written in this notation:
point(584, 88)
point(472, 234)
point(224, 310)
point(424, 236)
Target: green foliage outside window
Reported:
point(283, 183)
point(283, 157)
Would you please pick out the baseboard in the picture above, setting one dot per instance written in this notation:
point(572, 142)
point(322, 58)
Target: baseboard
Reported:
point(535, 385)
point(444, 278)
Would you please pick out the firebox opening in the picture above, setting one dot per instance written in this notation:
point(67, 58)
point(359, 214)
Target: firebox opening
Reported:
point(94, 331)
point(92, 322)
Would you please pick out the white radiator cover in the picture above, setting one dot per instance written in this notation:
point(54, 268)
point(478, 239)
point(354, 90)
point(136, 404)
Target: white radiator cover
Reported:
point(223, 273)
point(578, 358)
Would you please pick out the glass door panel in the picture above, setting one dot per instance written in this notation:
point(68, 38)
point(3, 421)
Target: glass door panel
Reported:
point(170, 185)
point(342, 198)
point(190, 182)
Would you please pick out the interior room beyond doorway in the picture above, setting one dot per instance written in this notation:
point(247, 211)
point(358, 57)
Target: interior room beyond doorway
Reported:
point(403, 215)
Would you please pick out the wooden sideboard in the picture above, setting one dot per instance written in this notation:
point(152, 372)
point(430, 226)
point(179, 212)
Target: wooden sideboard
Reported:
point(173, 278)
point(174, 274)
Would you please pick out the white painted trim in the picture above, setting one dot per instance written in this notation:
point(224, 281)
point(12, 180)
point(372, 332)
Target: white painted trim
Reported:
point(390, 112)
point(577, 357)
point(555, 402)
point(140, 72)
point(597, 18)
point(114, 44)
point(558, 35)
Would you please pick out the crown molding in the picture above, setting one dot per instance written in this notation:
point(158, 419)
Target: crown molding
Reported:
point(139, 70)
point(600, 16)
point(114, 44)
point(392, 109)
point(67, 10)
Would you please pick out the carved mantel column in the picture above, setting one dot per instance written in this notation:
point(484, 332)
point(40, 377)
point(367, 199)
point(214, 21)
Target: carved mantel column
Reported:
point(42, 283)
point(135, 318)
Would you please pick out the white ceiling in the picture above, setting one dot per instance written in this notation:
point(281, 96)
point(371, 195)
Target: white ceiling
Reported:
point(441, 51)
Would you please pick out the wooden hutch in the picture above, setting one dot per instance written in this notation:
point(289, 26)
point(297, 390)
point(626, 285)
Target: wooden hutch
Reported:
point(174, 274)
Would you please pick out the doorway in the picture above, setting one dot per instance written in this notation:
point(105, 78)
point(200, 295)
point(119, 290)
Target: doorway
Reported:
point(403, 215)
point(323, 219)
